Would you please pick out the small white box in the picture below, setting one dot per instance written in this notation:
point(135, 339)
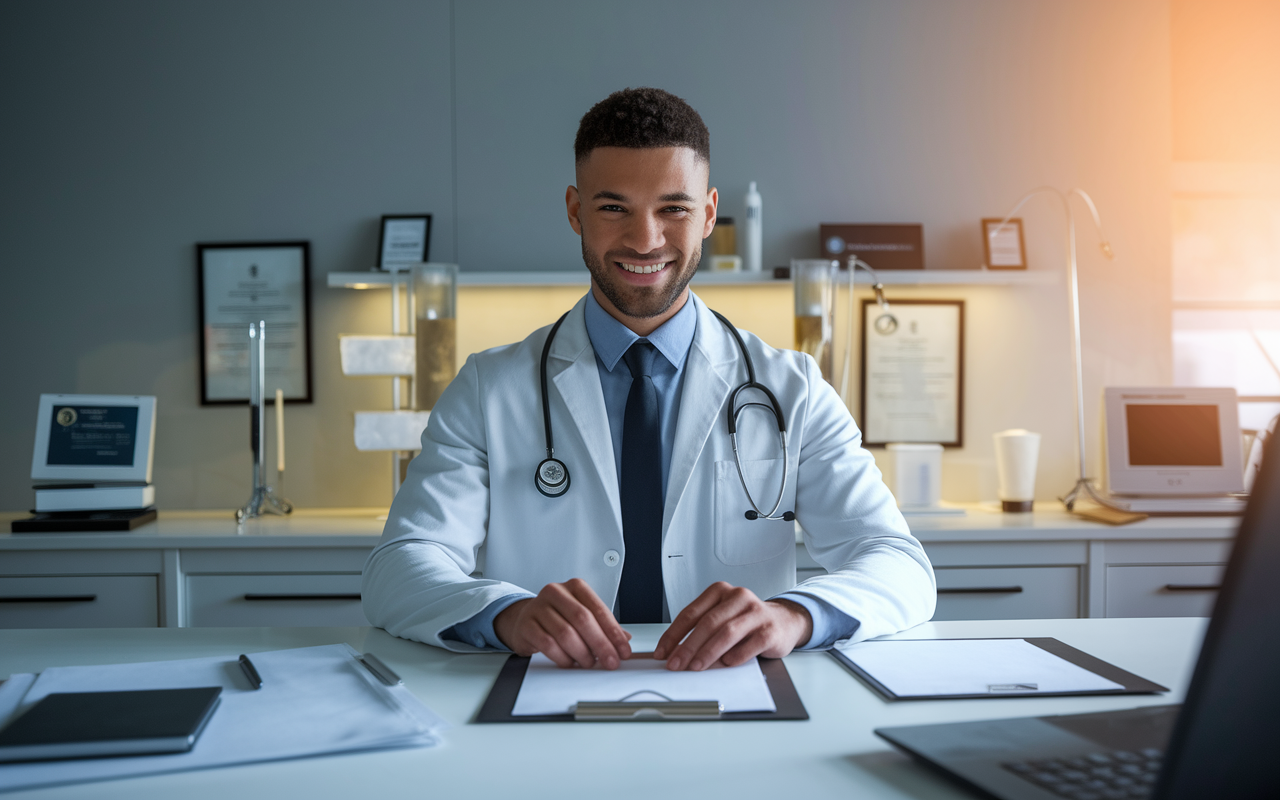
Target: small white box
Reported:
point(376, 356)
point(390, 430)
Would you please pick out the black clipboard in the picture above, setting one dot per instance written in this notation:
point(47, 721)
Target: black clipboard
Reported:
point(1133, 684)
point(502, 697)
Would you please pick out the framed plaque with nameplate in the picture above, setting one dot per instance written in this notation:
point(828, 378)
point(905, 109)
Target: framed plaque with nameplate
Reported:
point(248, 282)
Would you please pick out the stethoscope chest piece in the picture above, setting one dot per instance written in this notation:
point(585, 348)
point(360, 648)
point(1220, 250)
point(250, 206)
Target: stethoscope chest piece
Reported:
point(552, 478)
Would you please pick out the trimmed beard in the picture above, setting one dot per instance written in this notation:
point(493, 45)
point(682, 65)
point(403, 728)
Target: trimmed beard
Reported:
point(652, 301)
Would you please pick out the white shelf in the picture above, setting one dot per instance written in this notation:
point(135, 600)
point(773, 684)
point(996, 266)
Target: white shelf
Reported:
point(927, 277)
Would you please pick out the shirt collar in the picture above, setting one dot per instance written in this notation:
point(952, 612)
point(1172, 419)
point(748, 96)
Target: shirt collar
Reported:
point(611, 339)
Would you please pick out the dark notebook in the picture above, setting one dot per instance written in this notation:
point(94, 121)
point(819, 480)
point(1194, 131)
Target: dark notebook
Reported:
point(93, 724)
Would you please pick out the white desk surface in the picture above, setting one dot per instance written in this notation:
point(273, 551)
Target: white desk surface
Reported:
point(834, 754)
point(362, 527)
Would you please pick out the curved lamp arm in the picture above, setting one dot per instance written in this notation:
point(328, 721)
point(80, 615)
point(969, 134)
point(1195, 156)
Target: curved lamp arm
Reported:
point(1082, 481)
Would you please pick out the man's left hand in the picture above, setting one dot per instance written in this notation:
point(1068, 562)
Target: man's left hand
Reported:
point(729, 625)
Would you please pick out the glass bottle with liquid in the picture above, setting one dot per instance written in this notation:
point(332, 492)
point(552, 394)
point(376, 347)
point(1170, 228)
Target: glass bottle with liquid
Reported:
point(435, 300)
point(813, 282)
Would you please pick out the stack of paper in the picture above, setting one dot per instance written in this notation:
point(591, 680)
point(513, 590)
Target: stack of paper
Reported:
point(313, 701)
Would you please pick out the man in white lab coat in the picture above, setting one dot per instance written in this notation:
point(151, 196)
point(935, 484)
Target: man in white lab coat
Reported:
point(656, 523)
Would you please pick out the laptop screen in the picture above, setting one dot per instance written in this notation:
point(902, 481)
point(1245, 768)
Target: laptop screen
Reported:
point(1224, 744)
point(1173, 435)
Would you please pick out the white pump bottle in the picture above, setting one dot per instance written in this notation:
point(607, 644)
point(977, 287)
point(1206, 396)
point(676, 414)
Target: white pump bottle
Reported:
point(753, 232)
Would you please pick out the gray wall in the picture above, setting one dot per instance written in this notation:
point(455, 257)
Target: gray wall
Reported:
point(135, 129)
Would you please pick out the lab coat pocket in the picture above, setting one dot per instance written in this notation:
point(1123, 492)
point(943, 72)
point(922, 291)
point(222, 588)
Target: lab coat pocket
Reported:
point(740, 540)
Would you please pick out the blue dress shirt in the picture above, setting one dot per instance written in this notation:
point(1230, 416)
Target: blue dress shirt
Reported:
point(611, 339)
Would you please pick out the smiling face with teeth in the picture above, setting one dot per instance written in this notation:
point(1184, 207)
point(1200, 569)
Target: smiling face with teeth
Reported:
point(642, 214)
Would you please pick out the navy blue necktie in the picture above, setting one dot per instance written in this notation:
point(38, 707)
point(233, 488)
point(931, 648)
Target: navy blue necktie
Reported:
point(640, 594)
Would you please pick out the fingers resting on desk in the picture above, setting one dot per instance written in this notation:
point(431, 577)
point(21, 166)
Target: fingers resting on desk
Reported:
point(568, 623)
point(729, 625)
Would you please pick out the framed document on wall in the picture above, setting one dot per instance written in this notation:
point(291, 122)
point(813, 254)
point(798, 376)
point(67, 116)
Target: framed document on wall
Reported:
point(913, 372)
point(244, 282)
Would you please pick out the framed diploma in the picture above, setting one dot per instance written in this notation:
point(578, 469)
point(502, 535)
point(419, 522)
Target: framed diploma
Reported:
point(246, 282)
point(913, 372)
point(1002, 245)
point(405, 239)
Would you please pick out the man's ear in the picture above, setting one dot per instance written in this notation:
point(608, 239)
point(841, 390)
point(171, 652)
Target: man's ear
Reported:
point(572, 205)
point(713, 201)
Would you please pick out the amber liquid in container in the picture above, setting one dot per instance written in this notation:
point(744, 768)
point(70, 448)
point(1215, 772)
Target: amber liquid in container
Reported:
point(435, 302)
point(437, 347)
point(809, 339)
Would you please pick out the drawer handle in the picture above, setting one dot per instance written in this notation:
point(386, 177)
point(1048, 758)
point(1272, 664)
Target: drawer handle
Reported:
point(51, 598)
point(982, 590)
point(1191, 587)
point(252, 597)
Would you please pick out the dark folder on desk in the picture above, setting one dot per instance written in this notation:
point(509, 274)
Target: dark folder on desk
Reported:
point(502, 697)
point(1123, 682)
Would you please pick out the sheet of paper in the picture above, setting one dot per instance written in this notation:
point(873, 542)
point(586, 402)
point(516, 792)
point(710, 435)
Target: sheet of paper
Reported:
point(313, 700)
point(930, 667)
point(547, 689)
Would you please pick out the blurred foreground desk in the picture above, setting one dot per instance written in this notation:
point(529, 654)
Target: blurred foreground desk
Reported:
point(832, 755)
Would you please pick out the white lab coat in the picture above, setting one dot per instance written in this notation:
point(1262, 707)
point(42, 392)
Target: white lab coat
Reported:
point(469, 526)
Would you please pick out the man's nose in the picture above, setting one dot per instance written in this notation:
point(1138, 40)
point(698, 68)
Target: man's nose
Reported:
point(645, 235)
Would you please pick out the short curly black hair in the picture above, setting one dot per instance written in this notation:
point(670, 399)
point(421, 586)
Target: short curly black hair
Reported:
point(642, 118)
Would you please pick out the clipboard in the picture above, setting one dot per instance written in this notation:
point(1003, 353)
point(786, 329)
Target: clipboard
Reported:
point(502, 699)
point(1132, 684)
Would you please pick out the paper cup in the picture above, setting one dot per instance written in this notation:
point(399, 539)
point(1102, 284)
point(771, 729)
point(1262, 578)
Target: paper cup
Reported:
point(1017, 451)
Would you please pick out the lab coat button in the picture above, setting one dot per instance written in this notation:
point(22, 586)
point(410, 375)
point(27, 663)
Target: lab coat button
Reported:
point(612, 558)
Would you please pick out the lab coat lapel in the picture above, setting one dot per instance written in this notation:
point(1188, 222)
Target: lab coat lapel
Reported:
point(702, 401)
point(572, 369)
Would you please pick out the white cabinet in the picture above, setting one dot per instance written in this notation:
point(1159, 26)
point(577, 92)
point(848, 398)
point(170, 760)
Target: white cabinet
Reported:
point(1008, 593)
point(1163, 590)
point(200, 569)
point(274, 601)
point(79, 601)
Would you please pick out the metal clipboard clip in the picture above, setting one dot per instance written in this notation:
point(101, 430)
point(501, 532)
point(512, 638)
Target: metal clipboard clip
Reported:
point(628, 710)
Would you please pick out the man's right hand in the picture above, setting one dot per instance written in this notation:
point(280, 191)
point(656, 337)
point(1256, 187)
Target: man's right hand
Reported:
point(566, 622)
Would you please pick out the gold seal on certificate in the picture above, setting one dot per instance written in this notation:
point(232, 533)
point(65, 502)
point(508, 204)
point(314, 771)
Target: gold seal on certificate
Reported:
point(913, 372)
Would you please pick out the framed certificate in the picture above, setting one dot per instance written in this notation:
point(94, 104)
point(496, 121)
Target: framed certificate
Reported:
point(1002, 245)
point(913, 372)
point(405, 239)
point(247, 282)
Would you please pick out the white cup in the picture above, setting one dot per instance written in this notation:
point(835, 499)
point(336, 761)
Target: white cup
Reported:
point(1017, 451)
point(916, 474)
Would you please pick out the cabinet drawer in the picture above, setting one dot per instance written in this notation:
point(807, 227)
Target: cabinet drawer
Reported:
point(1008, 593)
point(79, 601)
point(253, 601)
point(1187, 590)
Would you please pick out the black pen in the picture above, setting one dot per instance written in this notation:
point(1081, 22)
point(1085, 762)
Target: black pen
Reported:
point(255, 680)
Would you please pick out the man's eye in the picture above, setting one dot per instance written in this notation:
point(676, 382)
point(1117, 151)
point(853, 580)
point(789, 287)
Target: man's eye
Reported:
point(612, 208)
point(677, 209)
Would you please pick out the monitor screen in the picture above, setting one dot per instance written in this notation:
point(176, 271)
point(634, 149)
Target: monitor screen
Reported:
point(100, 436)
point(1167, 435)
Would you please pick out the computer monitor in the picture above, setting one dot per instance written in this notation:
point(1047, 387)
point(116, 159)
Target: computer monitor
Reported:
point(94, 438)
point(1173, 441)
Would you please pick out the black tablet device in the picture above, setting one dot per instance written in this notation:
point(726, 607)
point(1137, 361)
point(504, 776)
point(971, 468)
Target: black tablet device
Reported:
point(95, 724)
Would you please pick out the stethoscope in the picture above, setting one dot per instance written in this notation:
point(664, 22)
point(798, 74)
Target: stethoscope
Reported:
point(552, 476)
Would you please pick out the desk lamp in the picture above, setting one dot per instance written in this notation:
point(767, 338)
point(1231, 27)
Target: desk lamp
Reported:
point(1083, 485)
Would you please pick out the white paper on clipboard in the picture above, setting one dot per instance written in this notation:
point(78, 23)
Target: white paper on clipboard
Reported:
point(548, 689)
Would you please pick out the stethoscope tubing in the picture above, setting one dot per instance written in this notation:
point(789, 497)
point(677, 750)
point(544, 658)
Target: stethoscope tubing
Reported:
point(553, 466)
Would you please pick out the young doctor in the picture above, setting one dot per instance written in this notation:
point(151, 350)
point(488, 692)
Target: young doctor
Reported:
point(630, 497)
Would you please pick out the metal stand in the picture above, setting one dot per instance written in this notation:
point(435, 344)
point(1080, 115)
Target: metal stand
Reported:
point(264, 500)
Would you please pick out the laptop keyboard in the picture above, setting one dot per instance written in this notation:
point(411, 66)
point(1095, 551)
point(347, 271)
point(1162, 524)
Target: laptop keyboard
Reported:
point(1112, 775)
